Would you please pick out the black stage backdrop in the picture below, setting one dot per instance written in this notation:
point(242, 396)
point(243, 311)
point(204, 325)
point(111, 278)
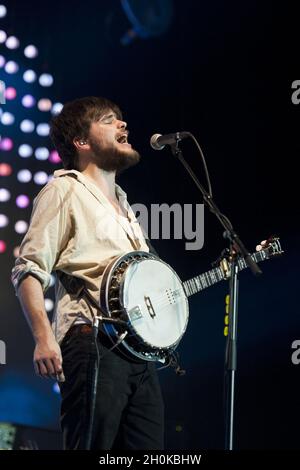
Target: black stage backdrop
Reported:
point(223, 71)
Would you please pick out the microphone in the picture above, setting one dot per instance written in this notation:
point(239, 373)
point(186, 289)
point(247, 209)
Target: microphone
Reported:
point(158, 141)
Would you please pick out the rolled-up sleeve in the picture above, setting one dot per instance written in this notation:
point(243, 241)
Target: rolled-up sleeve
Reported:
point(46, 236)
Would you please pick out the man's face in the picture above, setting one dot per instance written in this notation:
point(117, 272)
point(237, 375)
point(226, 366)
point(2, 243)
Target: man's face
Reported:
point(108, 142)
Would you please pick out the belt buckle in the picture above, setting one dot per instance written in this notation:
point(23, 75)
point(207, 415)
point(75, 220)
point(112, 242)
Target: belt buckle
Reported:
point(85, 328)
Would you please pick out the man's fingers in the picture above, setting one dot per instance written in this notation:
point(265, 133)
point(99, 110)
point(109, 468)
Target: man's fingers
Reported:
point(261, 246)
point(45, 368)
point(57, 363)
point(48, 360)
point(59, 375)
point(41, 369)
point(36, 368)
point(49, 367)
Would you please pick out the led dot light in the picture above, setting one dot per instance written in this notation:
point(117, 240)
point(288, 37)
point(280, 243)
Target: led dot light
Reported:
point(25, 151)
point(21, 226)
point(30, 51)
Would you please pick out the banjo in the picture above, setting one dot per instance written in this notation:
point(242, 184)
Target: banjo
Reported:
point(146, 303)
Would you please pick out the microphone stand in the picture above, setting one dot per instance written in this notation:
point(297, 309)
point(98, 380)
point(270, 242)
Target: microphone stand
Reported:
point(231, 349)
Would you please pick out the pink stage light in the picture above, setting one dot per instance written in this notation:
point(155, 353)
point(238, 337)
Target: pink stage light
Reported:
point(6, 144)
point(22, 201)
point(54, 157)
point(5, 169)
point(10, 93)
point(2, 246)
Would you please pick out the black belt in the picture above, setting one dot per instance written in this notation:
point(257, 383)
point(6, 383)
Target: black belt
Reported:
point(86, 329)
point(79, 329)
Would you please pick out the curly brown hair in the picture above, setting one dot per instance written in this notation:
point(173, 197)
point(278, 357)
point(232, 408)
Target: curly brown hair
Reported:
point(74, 121)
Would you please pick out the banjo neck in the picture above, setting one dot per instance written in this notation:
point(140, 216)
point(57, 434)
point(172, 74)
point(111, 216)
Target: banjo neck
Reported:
point(209, 278)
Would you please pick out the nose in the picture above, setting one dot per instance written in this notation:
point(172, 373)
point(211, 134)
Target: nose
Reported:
point(122, 124)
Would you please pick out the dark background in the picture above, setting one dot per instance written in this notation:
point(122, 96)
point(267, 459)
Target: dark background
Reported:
point(222, 71)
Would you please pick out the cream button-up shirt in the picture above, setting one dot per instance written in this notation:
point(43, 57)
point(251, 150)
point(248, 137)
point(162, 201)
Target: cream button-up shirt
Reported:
point(75, 229)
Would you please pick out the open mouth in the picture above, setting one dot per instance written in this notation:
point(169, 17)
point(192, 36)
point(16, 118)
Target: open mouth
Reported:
point(122, 138)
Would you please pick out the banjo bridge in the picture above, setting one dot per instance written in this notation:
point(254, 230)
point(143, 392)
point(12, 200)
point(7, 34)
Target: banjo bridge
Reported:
point(149, 306)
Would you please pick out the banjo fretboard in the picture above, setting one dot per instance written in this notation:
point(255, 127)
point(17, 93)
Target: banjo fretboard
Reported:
point(209, 278)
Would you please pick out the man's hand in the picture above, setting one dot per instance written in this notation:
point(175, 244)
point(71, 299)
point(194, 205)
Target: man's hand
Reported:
point(262, 245)
point(47, 360)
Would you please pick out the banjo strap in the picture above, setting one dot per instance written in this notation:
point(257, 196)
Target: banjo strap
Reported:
point(77, 288)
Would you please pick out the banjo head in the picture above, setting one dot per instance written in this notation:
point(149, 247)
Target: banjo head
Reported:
point(155, 302)
point(145, 292)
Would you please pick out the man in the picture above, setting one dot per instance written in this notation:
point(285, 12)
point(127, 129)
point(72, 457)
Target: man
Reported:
point(80, 221)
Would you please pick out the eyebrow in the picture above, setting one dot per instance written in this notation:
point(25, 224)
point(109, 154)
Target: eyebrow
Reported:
point(106, 116)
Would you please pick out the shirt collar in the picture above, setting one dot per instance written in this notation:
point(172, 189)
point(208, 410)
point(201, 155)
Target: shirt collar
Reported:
point(122, 196)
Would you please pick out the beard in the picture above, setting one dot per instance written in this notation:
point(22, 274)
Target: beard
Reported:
point(114, 159)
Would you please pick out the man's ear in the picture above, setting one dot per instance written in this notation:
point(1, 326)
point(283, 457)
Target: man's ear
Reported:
point(80, 143)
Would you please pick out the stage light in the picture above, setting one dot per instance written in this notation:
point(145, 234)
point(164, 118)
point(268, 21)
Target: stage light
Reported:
point(22, 201)
point(43, 129)
point(3, 11)
point(4, 195)
point(5, 168)
point(44, 104)
point(7, 119)
point(24, 176)
point(56, 388)
point(46, 79)
point(54, 157)
point(29, 76)
point(2, 246)
point(2, 61)
point(11, 67)
point(12, 42)
point(56, 108)
point(30, 51)
point(25, 151)
point(148, 18)
point(3, 36)
point(10, 93)
point(3, 220)
point(16, 251)
point(6, 144)
point(28, 101)
point(27, 126)
point(40, 177)
point(49, 304)
point(41, 153)
point(21, 226)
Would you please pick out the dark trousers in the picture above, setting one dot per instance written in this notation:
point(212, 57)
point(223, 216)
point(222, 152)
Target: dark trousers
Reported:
point(129, 412)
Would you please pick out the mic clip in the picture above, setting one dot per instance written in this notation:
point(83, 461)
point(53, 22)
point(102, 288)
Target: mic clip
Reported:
point(225, 254)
